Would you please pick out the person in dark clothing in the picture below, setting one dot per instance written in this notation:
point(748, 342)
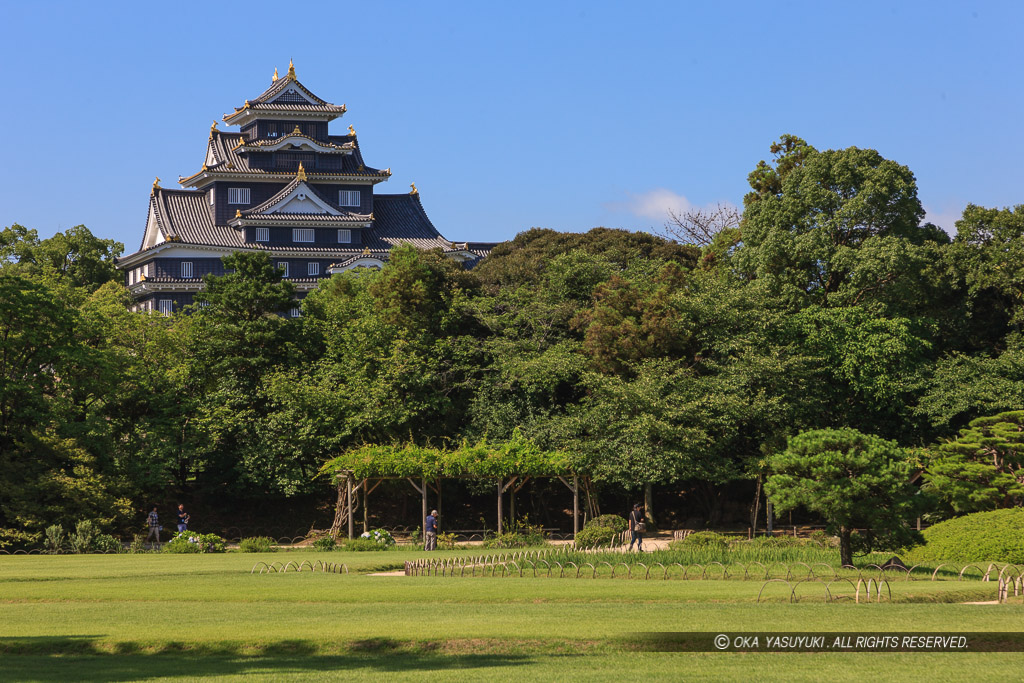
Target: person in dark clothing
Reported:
point(637, 527)
point(430, 531)
point(183, 518)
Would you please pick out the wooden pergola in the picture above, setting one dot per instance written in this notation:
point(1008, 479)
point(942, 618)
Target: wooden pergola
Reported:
point(511, 465)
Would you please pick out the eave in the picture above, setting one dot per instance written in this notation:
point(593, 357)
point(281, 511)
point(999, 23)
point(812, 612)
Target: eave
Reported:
point(208, 175)
point(274, 145)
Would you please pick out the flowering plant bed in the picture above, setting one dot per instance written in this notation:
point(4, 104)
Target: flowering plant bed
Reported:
point(193, 542)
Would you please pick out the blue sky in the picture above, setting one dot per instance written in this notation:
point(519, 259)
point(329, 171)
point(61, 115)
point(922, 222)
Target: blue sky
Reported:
point(566, 115)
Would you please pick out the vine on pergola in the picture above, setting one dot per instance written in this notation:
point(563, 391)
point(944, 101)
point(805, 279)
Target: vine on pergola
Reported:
point(518, 457)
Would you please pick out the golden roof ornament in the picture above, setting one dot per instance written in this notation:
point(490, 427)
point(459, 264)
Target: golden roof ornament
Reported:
point(238, 213)
point(274, 79)
point(351, 130)
point(246, 105)
point(156, 185)
point(301, 175)
point(414, 190)
point(366, 251)
point(387, 171)
point(291, 69)
point(361, 168)
point(297, 131)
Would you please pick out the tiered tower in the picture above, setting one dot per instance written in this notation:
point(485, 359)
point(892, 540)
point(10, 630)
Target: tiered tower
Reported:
point(281, 184)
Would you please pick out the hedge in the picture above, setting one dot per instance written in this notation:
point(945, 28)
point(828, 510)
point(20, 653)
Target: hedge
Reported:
point(995, 536)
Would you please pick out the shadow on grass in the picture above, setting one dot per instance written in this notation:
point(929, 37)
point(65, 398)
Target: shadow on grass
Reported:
point(85, 658)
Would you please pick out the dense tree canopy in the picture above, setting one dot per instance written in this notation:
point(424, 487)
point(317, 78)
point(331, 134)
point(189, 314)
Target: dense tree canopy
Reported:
point(654, 363)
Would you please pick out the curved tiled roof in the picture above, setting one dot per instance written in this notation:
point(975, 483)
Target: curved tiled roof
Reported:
point(282, 194)
point(263, 101)
point(222, 146)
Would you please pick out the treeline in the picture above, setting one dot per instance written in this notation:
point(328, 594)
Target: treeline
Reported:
point(827, 304)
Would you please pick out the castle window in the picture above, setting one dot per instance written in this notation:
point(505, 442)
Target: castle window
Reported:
point(166, 306)
point(283, 267)
point(303, 235)
point(186, 269)
point(238, 195)
point(348, 198)
point(261, 234)
point(314, 268)
point(295, 313)
point(344, 236)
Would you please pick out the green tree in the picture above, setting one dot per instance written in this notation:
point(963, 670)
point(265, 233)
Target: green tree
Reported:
point(804, 213)
point(854, 481)
point(983, 468)
point(989, 252)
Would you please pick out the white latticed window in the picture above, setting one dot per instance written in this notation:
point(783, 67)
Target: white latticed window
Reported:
point(348, 197)
point(295, 313)
point(283, 267)
point(344, 236)
point(186, 269)
point(261, 234)
point(302, 235)
point(314, 268)
point(166, 306)
point(238, 195)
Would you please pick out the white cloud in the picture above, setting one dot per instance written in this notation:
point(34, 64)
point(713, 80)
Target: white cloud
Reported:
point(654, 204)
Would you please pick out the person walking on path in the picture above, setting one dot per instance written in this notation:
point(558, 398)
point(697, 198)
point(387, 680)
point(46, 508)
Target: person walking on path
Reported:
point(183, 518)
point(430, 531)
point(637, 527)
point(154, 526)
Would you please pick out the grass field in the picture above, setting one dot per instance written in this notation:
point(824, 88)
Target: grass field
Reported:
point(187, 617)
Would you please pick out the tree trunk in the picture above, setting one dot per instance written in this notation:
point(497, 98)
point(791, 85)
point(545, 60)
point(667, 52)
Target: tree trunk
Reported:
point(649, 506)
point(845, 548)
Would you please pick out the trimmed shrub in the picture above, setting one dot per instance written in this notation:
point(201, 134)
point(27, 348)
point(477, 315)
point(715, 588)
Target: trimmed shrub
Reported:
point(993, 536)
point(614, 522)
point(515, 539)
point(192, 542)
point(325, 543)
point(362, 544)
point(591, 536)
point(777, 542)
point(702, 540)
point(257, 544)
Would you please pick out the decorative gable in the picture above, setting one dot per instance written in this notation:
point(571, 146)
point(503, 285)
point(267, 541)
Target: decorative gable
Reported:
point(290, 95)
point(302, 199)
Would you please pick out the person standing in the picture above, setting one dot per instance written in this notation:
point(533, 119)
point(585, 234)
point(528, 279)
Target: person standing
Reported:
point(154, 526)
point(637, 527)
point(183, 518)
point(430, 531)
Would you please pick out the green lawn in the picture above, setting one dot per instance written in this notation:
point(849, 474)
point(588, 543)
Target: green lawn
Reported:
point(128, 617)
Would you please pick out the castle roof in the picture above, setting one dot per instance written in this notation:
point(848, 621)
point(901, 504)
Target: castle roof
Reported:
point(285, 98)
point(225, 157)
point(183, 217)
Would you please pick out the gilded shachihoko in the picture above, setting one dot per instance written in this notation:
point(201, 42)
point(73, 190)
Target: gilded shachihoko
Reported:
point(284, 185)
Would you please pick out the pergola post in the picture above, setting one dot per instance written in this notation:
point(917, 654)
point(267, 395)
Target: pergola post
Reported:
point(575, 488)
point(575, 506)
point(365, 484)
point(500, 510)
point(351, 521)
point(423, 516)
